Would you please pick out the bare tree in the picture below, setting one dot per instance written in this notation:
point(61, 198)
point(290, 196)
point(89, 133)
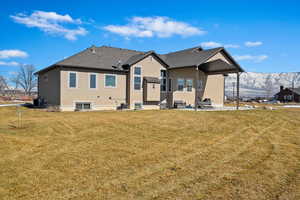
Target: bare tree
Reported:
point(25, 78)
point(268, 86)
point(3, 85)
point(15, 79)
point(295, 79)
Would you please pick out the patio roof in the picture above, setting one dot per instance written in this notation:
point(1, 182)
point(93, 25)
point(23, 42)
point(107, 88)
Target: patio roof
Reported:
point(218, 67)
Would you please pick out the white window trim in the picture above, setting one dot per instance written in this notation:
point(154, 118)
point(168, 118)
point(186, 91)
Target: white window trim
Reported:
point(83, 101)
point(116, 78)
point(136, 75)
point(177, 85)
point(142, 105)
point(187, 85)
point(77, 77)
point(90, 81)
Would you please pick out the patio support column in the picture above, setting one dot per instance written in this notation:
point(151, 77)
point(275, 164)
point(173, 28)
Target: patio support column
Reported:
point(238, 90)
point(196, 89)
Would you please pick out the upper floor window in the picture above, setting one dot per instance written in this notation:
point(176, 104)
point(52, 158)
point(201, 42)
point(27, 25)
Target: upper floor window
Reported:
point(93, 81)
point(189, 85)
point(180, 84)
point(137, 78)
point(163, 80)
point(110, 81)
point(72, 79)
point(137, 71)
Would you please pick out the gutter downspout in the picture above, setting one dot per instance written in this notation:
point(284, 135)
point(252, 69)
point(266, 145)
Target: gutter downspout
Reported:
point(196, 88)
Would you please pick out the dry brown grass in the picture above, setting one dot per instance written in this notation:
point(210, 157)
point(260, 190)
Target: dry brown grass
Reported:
point(150, 155)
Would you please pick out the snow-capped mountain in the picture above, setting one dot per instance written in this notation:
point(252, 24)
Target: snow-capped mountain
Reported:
point(261, 84)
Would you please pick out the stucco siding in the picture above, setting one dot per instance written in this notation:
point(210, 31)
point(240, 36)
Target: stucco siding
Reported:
point(49, 86)
point(214, 89)
point(101, 97)
point(149, 67)
point(186, 96)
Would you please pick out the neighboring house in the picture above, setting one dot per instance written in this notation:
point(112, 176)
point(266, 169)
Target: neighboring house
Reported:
point(100, 78)
point(288, 95)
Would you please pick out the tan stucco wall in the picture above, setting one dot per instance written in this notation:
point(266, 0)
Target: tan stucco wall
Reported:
point(213, 87)
point(184, 73)
point(49, 86)
point(149, 67)
point(101, 98)
point(151, 92)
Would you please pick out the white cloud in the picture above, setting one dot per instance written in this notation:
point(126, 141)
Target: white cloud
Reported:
point(154, 26)
point(51, 22)
point(12, 63)
point(12, 54)
point(253, 44)
point(258, 58)
point(212, 44)
point(233, 46)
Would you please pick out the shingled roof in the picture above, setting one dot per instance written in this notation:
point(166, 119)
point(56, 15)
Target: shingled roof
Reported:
point(103, 57)
point(296, 90)
point(111, 58)
point(189, 57)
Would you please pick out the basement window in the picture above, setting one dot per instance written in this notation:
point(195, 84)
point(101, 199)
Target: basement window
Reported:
point(137, 106)
point(83, 106)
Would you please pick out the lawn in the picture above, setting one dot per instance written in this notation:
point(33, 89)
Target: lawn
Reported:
point(150, 155)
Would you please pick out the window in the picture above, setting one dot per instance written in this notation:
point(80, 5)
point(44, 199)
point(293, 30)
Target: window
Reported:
point(180, 84)
point(137, 82)
point(170, 85)
point(163, 80)
point(83, 106)
point(110, 81)
point(93, 81)
point(199, 84)
point(46, 77)
point(137, 71)
point(137, 106)
point(137, 78)
point(72, 80)
point(189, 85)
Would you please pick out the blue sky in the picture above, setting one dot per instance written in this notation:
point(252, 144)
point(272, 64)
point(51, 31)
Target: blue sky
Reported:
point(262, 35)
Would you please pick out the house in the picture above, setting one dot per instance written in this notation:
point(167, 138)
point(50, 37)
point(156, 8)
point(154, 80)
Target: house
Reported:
point(101, 78)
point(288, 95)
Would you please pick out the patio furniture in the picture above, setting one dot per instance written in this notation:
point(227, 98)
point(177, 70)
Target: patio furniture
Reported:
point(179, 104)
point(206, 103)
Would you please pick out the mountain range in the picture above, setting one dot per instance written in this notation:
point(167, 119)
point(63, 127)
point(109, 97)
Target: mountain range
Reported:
point(253, 84)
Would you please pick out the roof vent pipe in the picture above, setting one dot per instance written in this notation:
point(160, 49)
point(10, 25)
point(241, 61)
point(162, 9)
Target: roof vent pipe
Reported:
point(93, 49)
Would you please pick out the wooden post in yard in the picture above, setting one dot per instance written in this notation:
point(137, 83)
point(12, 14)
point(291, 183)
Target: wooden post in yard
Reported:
point(238, 90)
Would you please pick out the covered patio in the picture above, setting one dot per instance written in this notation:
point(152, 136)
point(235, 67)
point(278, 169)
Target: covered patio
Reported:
point(219, 66)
